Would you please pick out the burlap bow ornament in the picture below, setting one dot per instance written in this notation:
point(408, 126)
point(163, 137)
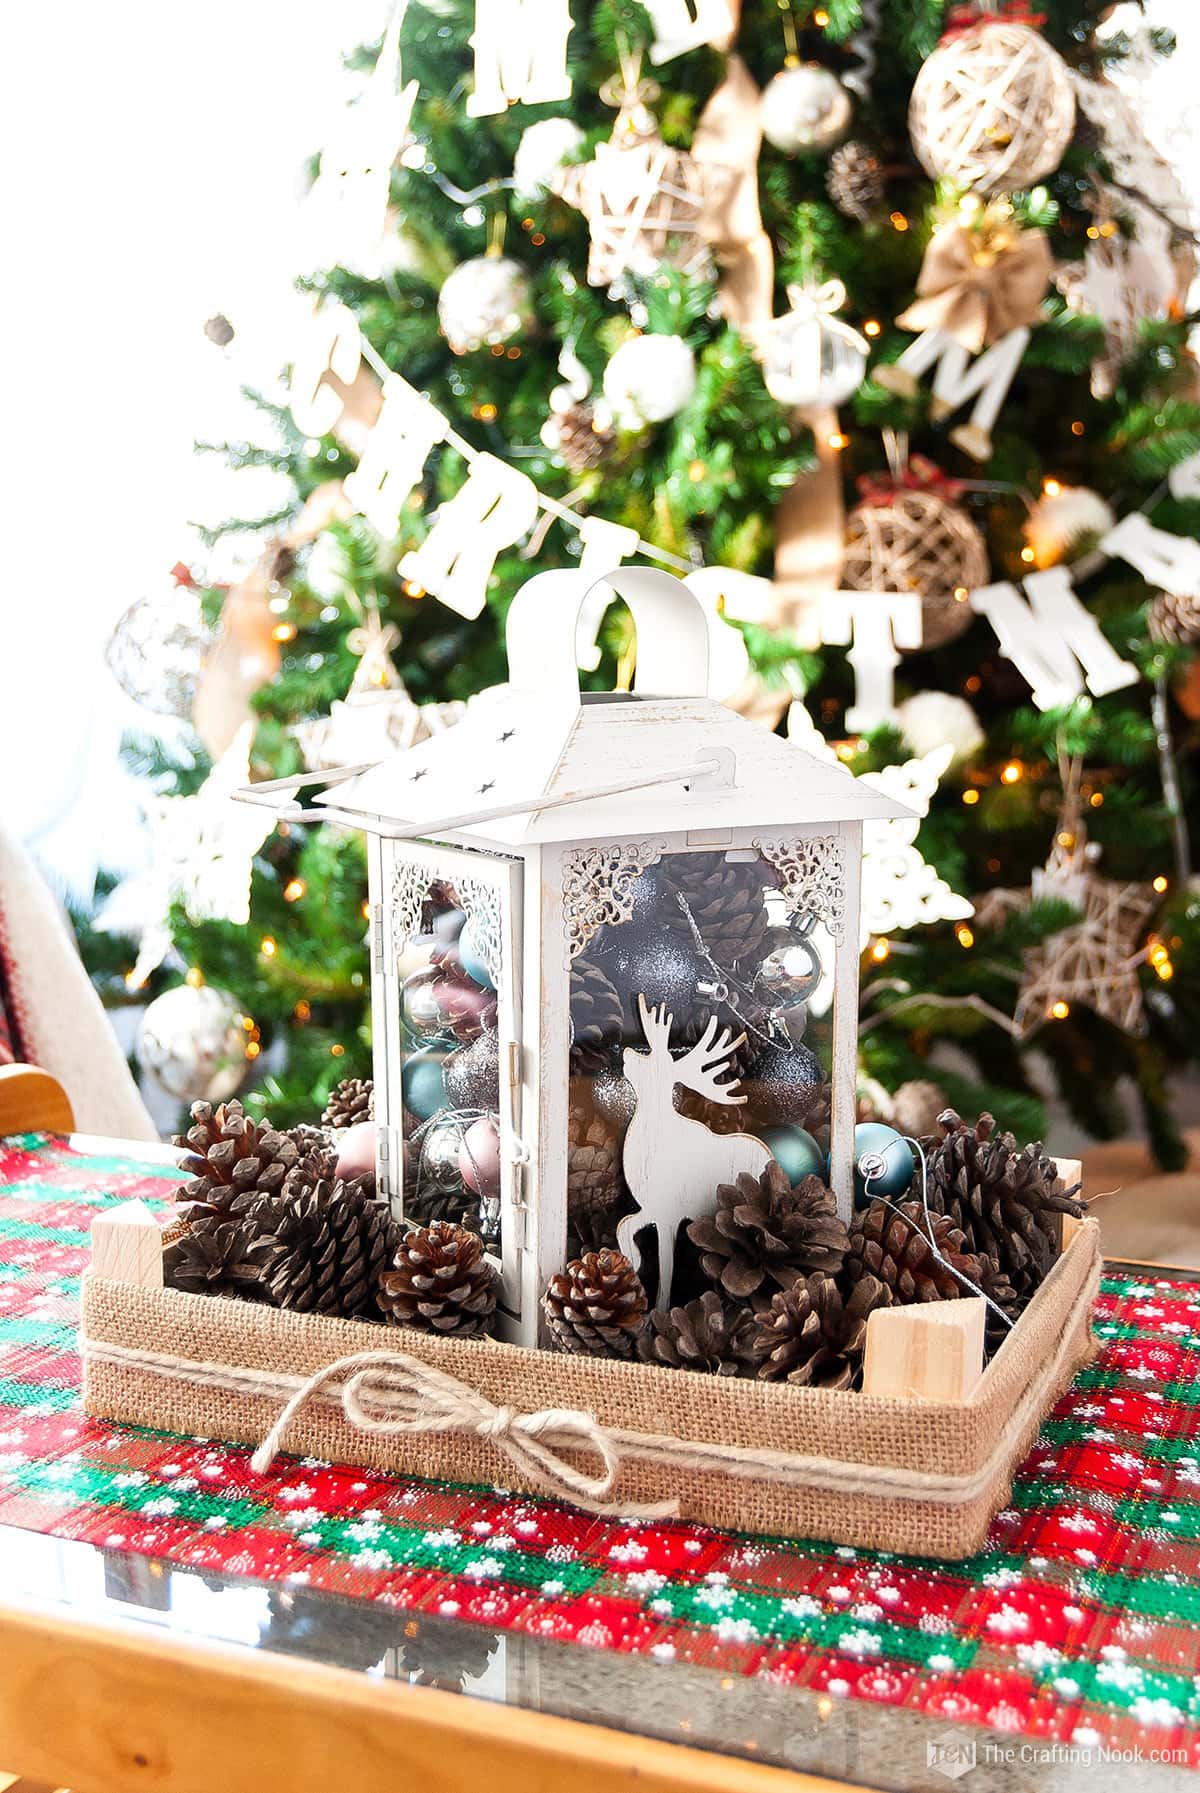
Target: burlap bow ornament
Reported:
point(977, 286)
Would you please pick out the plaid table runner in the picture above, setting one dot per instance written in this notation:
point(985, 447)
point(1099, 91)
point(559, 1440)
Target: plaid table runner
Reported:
point(1079, 1623)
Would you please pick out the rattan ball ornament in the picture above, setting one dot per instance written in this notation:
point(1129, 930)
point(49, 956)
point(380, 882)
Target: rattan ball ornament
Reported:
point(992, 108)
point(484, 302)
point(804, 107)
point(920, 542)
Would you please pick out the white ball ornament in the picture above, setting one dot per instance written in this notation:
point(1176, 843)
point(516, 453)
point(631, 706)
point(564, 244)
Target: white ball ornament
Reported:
point(804, 108)
point(933, 719)
point(649, 379)
point(543, 149)
point(483, 302)
point(992, 108)
point(1065, 522)
point(192, 1043)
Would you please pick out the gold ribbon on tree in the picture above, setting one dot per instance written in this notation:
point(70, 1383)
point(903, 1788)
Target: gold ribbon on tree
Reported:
point(980, 280)
point(726, 145)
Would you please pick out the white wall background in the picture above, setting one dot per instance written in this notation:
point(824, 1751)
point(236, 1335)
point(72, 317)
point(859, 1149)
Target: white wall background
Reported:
point(152, 165)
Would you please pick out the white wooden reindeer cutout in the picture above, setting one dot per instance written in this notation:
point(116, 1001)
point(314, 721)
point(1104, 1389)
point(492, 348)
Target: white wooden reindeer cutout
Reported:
point(674, 1165)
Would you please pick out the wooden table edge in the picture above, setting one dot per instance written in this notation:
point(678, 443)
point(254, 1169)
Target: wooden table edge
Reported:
point(110, 1708)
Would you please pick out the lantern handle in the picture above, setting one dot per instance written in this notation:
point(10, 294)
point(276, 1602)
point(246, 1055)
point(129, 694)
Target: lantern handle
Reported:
point(672, 631)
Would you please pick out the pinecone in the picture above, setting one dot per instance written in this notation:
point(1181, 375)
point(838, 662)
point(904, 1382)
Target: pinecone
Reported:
point(915, 1107)
point(218, 1257)
point(442, 1652)
point(708, 1334)
point(230, 1154)
point(593, 1179)
point(597, 1306)
point(582, 442)
point(310, 1139)
point(725, 900)
point(892, 1244)
point(352, 1100)
point(814, 1336)
point(1174, 619)
point(854, 180)
point(333, 1241)
point(766, 1231)
point(597, 1017)
point(441, 1282)
point(1003, 1198)
point(317, 1164)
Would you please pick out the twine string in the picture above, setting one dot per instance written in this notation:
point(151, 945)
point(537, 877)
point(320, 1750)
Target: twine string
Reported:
point(390, 1394)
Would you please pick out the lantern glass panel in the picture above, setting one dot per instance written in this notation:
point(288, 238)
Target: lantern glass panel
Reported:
point(700, 950)
point(450, 1053)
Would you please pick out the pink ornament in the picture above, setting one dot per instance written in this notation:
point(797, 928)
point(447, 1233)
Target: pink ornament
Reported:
point(479, 1157)
point(356, 1151)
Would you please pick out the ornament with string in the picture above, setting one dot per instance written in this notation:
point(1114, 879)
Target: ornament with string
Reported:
point(377, 716)
point(1093, 963)
point(643, 199)
point(908, 533)
point(157, 648)
point(487, 300)
point(545, 148)
point(199, 852)
point(809, 357)
point(649, 379)
point(579, 428)
point(195, 1043)
point(805, 108)
point(993, 107)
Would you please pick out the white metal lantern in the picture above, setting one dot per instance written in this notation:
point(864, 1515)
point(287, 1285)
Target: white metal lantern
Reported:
point(588, 841)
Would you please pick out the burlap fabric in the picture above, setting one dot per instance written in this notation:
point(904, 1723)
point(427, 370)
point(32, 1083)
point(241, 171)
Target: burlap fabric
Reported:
point(759, 1457)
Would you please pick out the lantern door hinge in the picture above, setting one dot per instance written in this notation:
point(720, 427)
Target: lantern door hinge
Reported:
point(377, 954)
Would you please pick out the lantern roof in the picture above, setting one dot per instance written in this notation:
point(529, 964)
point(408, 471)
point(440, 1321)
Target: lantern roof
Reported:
point(580, 771)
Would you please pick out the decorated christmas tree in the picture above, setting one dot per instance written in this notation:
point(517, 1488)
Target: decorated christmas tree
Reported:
point(868, 318)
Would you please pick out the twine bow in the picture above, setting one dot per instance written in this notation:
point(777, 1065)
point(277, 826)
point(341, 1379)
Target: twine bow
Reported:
point(918, 474)
point(373, 642)
point(390, 1394)
point(978, 288)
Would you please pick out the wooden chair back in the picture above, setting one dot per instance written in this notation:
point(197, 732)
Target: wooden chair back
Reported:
point(31, 1101)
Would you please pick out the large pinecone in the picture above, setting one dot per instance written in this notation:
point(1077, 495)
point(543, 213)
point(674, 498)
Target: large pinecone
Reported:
point(893, 1245)
point(597, 1306)
point(764, 1231)
point(814, 1336)
point(440, 1282)
point(594, 1184)
point(333, 1242)
point(708, 1334)
point(597, 1017)
point(854, 180)
point(350, 1101)
point(1175, 619)
point(725, 900)
point(1003, 1197)
point(218, 1257)
point(229, 1154)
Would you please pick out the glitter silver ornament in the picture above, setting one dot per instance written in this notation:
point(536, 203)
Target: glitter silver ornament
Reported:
point(803, 108)
point(192, 1043)
point(484, 302)
point(157, 649)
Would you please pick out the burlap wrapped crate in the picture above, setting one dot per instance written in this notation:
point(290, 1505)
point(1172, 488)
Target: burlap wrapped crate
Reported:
point(907, 1475)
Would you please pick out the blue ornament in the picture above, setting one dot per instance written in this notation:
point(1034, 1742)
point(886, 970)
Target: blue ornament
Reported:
point(423, 1081)
point(472, 957)
point(883, 1162)
point(796, 1151)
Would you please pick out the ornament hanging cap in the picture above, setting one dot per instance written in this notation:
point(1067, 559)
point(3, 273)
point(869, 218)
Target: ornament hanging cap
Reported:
point(632, 97)
point(990, 12)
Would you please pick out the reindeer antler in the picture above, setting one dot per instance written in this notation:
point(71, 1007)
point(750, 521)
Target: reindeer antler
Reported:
point(656, 1024)
point(707, 1060)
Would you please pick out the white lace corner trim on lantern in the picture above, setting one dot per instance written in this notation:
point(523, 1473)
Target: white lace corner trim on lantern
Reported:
point(598, 884)
point(813, 872)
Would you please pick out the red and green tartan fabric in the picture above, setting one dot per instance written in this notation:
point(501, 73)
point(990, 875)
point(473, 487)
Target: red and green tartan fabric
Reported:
point(1080, 1621)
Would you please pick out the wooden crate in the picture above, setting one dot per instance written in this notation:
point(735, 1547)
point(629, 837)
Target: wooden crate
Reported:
point(919, 1461)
